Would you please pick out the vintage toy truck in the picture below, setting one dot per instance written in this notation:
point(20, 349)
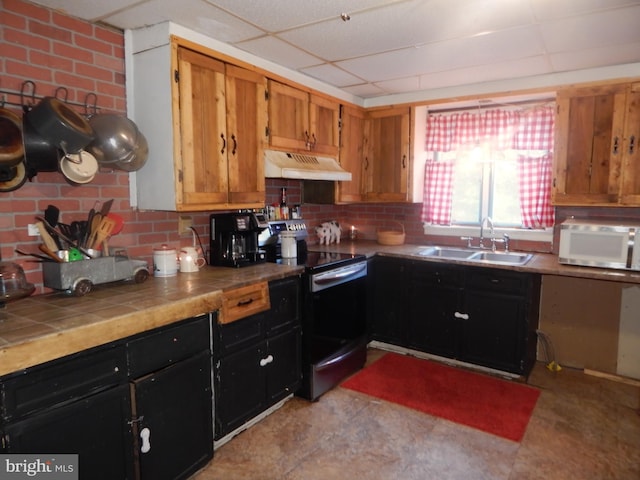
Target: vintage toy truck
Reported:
point(78, 278)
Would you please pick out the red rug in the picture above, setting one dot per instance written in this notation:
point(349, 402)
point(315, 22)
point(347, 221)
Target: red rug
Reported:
point(493, 405)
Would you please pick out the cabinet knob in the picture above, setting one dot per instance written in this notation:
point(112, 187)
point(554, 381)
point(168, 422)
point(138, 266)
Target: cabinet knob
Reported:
point(266, 361)
point(145, 433)
point(463, 316)
point(224, 143)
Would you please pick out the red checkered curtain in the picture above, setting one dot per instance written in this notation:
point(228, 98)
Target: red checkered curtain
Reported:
point(438, 193)
point(535, 132)
point(534, 177)
point(523, 130)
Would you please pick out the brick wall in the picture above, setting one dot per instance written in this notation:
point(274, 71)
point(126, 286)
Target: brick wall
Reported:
point(53, 50)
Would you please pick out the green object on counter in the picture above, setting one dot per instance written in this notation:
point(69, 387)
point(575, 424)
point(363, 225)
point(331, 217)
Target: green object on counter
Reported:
point(75, 255)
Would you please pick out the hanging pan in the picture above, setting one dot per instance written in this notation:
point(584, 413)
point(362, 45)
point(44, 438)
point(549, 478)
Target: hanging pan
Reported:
point(11, 146)
point(12, 177)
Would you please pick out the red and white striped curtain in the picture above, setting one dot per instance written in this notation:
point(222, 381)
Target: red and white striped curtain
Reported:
point(520, 130)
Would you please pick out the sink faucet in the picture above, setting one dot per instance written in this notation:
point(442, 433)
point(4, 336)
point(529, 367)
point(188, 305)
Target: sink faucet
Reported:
point(489, 223)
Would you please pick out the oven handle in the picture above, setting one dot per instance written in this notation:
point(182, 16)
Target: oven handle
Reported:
point(341, 275)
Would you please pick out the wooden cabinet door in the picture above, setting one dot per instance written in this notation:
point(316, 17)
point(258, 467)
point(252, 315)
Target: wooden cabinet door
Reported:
point(352, 154)
point(630, 194)
point(324, 125)
point(202, 161)
point(590, 146)
point(288, 117)
point(246, 129)
point(387, 161)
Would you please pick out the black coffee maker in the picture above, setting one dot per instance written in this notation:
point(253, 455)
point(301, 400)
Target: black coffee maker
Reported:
point(234, 239)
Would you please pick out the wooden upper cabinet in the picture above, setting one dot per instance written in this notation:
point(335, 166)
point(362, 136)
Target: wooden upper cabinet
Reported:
point(202, 163)
point(387, 160)
point(596, 158)
point(302, 122)
point(246, 130)
point(630, 190)
point(223, 115)
point(352, 154)
point(324, 122)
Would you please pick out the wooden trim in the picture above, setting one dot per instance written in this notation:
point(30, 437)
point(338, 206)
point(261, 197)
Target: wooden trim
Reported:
point(611, 376)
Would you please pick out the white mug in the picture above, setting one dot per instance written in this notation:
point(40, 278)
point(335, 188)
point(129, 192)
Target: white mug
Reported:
point(190, 261)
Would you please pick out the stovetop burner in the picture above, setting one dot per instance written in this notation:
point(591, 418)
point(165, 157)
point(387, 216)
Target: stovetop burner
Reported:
point(316, 261)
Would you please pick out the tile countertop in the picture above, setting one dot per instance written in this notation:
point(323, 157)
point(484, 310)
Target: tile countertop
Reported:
point(40, 328)
point(543, 263)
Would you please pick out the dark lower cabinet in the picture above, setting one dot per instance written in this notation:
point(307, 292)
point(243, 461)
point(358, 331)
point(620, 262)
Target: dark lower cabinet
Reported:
point(137, 408)
point(94, 427)
point(173, 419)
point(483, 316)
point(436, 293)
point(388, 296)
point(257, 358)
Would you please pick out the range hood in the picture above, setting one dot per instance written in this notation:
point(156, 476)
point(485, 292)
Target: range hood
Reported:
point(302, 166)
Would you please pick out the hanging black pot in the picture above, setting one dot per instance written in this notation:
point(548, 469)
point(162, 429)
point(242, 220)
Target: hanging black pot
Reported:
point(40, 155)
point(61, 125)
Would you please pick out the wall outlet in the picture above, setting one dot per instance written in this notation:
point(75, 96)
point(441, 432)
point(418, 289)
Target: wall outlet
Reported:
point(32, 230)
point(185, 223)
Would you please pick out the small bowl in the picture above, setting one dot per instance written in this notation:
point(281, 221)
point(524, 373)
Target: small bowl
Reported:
point(79, 167)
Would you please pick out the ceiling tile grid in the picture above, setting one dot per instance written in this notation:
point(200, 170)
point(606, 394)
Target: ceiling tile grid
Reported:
point(373, 48)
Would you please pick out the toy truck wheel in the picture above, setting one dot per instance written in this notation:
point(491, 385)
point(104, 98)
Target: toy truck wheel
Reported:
point(82, 287)
point(141, 275)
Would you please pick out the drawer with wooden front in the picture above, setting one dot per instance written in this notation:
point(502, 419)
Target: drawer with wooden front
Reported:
point(244, 301)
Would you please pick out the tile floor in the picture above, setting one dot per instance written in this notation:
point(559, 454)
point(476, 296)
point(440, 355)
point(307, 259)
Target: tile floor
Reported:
point(582, 428)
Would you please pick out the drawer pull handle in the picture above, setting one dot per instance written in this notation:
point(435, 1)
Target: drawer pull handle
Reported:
point(463, 316)
point(244, 303)
point(266, 361)
point(145, 433)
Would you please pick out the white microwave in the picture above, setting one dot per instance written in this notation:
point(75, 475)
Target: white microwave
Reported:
point(605, 244)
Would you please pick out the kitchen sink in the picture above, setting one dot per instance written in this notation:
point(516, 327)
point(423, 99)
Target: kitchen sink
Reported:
point(446, 252)
point(507, 258)
point(453, 253)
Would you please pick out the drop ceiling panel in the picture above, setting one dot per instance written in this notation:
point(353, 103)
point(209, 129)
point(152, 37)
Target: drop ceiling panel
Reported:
point(545, 10)
point(618, 55)
point(578, 33)
point(332, 75)
point(197, 14)
point(447, 55)
point(278, 15)
point(406, 24)
point(277, 51)
point(401, 44)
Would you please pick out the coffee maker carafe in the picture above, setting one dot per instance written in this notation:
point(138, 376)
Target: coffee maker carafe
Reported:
point(234, 239)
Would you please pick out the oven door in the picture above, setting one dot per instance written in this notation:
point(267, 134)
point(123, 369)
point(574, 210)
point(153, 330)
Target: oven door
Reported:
point(334, 328)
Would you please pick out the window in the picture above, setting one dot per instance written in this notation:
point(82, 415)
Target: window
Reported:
point(494, 164)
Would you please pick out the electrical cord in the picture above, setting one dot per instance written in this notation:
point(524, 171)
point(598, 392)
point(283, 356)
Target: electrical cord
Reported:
point(196, 236)
point(549, 352)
